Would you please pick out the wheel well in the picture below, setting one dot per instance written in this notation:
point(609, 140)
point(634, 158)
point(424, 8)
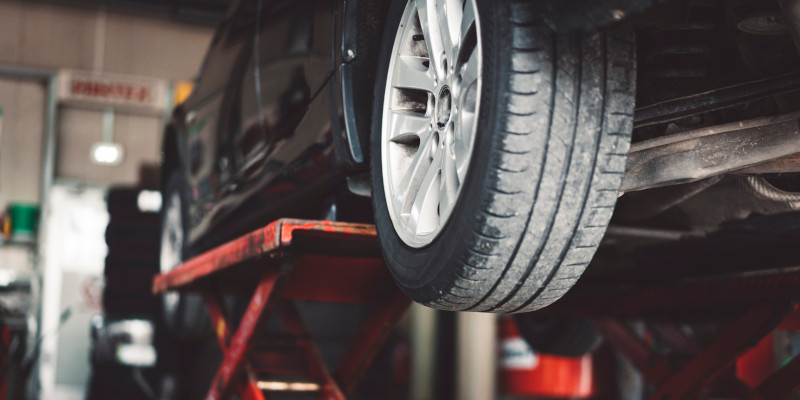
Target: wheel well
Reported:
point(365, 24)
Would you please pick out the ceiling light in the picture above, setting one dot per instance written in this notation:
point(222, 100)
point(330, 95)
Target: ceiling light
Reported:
point(107, 153)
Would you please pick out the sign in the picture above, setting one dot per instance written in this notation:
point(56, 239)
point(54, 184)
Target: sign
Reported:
point(107, 90)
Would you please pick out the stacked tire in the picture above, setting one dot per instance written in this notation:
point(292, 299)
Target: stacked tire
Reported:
point(132, 237)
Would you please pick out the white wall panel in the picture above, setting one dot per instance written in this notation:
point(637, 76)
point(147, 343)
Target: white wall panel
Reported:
point(21, 140)
point(11, 27)
point(47, 35)
point(79, 129)
point(56, 36)
point(151, 47)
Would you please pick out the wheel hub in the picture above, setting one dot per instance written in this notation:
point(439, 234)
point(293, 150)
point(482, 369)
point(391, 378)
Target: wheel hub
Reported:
point(443, 107)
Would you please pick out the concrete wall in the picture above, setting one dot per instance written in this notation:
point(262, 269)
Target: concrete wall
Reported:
point(46, 35)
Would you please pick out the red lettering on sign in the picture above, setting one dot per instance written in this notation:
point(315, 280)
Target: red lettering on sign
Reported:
point(111, 90)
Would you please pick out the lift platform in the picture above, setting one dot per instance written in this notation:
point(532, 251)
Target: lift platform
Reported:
point(285, 261)
point(326, 261)
point(747, 306)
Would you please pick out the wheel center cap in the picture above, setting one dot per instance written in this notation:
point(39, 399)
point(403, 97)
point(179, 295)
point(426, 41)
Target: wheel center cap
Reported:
point(443, 107)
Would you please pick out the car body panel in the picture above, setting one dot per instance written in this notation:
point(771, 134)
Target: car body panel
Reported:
point(256, 134)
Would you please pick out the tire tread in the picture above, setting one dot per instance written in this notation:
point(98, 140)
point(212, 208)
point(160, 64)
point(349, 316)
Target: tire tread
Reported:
point(511, 287)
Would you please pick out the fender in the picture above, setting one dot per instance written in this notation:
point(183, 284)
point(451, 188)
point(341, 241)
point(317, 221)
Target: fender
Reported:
point(356, 54)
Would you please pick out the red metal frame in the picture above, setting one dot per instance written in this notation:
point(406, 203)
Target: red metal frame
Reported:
point(711, 368)
point(696, 297)
point(291, 260)
point(326, 261)
point(756, 302)
point(782, 383)
point(731, 343)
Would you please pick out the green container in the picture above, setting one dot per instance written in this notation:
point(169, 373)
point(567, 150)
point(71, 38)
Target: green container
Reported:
point(23, 221)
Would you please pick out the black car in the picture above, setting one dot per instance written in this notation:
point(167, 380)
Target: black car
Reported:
point(491, 136)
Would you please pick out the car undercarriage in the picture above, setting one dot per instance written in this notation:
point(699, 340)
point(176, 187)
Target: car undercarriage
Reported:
point(713, 169)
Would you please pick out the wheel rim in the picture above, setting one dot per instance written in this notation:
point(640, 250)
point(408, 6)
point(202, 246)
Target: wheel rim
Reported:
point(171, 246)
point(430, 110)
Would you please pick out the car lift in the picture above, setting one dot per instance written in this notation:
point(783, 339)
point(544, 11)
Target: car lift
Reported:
point(340, 262)
point(291, 260)
point(752, 305)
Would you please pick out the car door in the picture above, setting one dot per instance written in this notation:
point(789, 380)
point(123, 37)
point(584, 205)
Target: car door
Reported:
point(244, 129)
point(293, 59)
point(213, 113)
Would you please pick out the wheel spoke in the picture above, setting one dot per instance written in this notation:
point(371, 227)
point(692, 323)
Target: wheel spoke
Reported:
point(465, 125)
point(424, 215)
point(426, 11)
point(469, 70)
point(411, 73)
point(467, 21)
point(449, 185)
point(406, 190)
point(448, 13)
point(462, 140)
point(404, 124)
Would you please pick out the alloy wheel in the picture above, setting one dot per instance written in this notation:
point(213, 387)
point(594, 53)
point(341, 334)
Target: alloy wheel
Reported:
point(430, 114)
point(171, 247)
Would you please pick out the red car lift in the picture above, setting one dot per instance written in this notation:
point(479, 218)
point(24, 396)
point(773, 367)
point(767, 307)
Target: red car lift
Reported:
point(284, 261)
point(751, 305)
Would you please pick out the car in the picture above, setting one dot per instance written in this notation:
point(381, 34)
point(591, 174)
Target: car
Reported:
point(492, 137)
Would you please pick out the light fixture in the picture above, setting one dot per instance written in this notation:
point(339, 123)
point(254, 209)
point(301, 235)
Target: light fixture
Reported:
point(107, 152)
point(279, 386)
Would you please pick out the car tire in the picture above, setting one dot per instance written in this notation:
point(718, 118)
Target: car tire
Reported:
point(550, 145)
point(185, 315)
point(568, 337)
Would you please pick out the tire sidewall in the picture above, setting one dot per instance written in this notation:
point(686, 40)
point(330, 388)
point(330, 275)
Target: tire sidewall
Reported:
point(424, 272)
